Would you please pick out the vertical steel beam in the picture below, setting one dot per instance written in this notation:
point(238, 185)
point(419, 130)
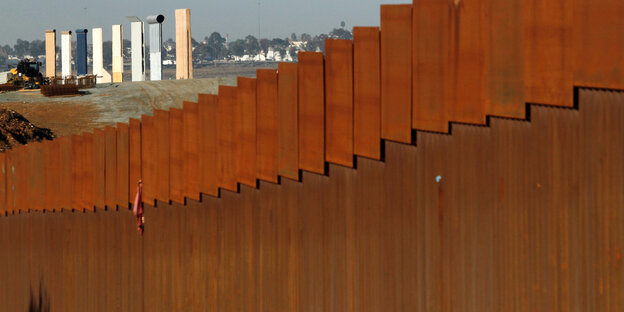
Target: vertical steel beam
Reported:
point(366, 92)
point(191, 145)
point(209, 145)
point(135, 148)
point(339, 102)
point(430, 85)
point(162, 143)
point(246, 123)
point(176, 155)
point(227, 142)
point(288, 121)
point(110, 167)
point(122, 186)
point(311, 112)
point(267, 125)
point(396, 72)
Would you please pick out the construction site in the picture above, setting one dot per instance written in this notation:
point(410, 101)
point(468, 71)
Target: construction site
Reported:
point(459, 156)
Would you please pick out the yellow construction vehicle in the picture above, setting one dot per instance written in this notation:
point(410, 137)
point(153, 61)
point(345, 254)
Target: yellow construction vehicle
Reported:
point(26, 75)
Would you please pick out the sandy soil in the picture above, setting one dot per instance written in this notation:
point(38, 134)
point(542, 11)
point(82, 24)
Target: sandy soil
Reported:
point(111, 103)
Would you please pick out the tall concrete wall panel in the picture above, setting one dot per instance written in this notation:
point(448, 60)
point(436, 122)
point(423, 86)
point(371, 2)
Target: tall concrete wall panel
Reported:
point(50, 44)
point(81, 52)
point(155, 46)
point(184, 51)
point(102, 76)
point(117, 53)
point(137, 39)
point(66, 47)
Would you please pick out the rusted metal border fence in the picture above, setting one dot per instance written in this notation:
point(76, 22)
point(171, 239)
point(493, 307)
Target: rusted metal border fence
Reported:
point(428, 65)
point(464, 67)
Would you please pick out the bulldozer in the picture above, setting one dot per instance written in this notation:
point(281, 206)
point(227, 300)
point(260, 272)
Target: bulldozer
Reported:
point(25, 76)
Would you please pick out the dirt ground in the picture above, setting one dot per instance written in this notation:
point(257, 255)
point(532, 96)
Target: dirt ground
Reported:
point(16, 130)
point(111, 103)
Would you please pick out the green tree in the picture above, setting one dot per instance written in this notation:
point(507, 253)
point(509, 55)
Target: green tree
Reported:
point(293, 37)
point(107, 54)
point(237, 47)
point(216, 46)
point(252, 46)
point(340, 33)
point(305, 37)
point(21, 47)
point(265, 44)
point(36, 48)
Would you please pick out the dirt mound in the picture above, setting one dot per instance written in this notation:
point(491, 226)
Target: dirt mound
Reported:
point(17, 130)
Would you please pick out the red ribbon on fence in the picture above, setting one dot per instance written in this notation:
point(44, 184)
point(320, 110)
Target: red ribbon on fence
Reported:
point(137, 209)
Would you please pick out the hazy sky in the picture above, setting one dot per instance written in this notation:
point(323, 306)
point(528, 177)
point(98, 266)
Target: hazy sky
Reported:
point(29, 19)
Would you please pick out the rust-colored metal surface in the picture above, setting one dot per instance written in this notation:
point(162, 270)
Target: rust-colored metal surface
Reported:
point(267, 125)
point(76, 177)
point(288, 126)
point(148, 159)
point(209, 168)
point(21, 179)
point(3, 184)
point(65, 173)
point(503, 32)
point(50, 186)
point(98, 169)
point(10, 181)
point(122, 170)
point(35, 178)
point(176, 154)
point(110, 170)
point(162, 150)
point(246, 138)
point(227, 141)
point(497, 218)
point(548, 71)
point(135, 170)
point(598, 48)
point(396, 72)
point(339, 102)
point(311, 112)
point(93, 190)
point(366, 92)
point(191, 146)
point(467, 62)
point(431, 30)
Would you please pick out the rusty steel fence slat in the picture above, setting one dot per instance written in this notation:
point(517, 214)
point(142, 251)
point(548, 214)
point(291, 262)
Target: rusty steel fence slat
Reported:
point(227, 107)
point(191, 146)
point(209, 146)
point(339, 102)
point(267, 125)
point(176, 154)
point(122, 173)
point(288, 126)
point(247, 133)
point(396, 72)
point(366, 92)
point(311, 112)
